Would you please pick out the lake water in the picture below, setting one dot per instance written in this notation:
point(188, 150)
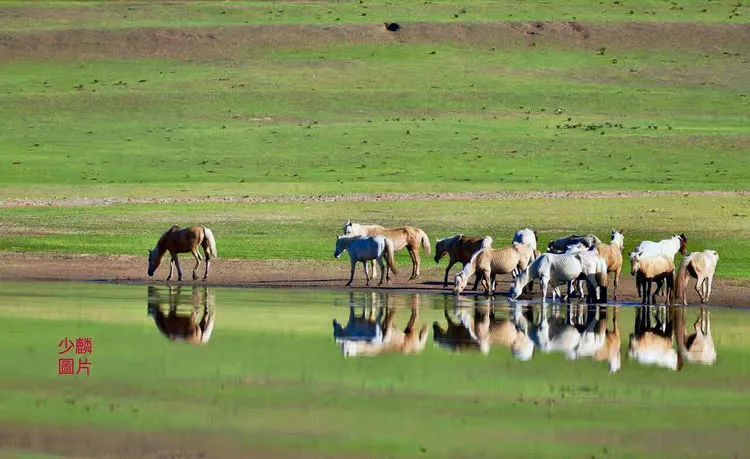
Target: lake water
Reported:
point(217, 354)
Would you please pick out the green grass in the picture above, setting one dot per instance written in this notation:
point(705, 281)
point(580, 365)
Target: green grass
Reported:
point(97, 15)
point(306, 231)
point(291, 391)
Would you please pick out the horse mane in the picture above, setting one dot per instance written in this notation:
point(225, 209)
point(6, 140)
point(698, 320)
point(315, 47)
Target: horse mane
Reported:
point(449, 240)
point(166, 234)
point(469, 268)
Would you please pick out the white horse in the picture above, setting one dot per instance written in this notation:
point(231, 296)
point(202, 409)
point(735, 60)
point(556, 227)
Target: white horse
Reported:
point(364, 249)
point(668, 247)
point(550, 268)
point(526, 237)
point(594, 268)
point(701, 266)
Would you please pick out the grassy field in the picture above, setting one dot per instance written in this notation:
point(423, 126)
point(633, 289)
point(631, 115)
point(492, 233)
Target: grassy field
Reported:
point(291, 392)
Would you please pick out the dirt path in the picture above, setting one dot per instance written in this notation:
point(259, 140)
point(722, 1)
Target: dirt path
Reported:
point(376, 197)
point(278, 274)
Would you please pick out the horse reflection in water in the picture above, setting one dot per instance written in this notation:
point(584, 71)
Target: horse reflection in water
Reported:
point(194, 326)
point(581, 333)
point(474, 326)
point(378, 334)
point(651, 342)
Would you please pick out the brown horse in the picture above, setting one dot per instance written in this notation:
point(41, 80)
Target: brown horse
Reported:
point(648, 270)
point(404, 237)
point(460, 248)
point(183, 327)
point(612, 254)
point(177, 240)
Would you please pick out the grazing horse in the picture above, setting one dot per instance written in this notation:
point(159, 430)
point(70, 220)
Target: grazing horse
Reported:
point(701, 266)
point(405, 237)
point(488, 263)
point(699, 346)
point(195, 327)
point(460, 248)
point(365, 249)
point(612, 254)
point(653, 345)
point(177, 240)
point(550, 268)
point(561, 245)
point(408, 341)
point(668, 247)
point(650, 269)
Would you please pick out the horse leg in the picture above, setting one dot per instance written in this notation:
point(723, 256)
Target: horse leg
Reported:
point(351, 276)
point(413, 262)
point(617, 282)
point(177, 265)
point(487, 283)
point(710, 281)
point(699, 287)
point(417, 262)
point(383, 270)
point(447, 271)
point(367, 274)
point(197, 263)
point(171, 267)
point(545, 284)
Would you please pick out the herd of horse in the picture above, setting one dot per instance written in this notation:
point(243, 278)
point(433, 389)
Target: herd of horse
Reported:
point(578, 331)
point(575, 261)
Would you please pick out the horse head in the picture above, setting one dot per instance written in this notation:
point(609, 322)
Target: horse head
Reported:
point(634, 263)
point(618, 238)
point(516, 288)
point(460, 283)
point(683, 244)
point(153, 261)
point(439, 249)
point(340, 246)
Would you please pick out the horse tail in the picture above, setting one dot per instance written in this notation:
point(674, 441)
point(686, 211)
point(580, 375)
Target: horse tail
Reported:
point(209, 243)
point(425, 241)
point(487, 242)
point(680, 287)
point(389, 256)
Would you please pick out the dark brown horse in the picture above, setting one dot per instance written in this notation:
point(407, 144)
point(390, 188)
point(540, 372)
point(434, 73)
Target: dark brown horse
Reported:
point(177, 240)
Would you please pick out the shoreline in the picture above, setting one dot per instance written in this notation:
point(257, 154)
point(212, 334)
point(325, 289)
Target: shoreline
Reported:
point(294, 274)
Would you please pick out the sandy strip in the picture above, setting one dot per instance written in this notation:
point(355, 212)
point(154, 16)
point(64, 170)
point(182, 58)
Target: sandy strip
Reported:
point(376, 197)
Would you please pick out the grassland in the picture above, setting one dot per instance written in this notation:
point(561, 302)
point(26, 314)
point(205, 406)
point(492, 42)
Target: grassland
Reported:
point(290, 392)
point(132, 100)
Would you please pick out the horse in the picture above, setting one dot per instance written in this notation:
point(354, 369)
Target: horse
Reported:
point(653, 269)
point(699, 346)
point(488, 263)
point(653, 345)
point(668, 247)
point(460, 248)
point(364, 249)
point(701, 266)
point(360, 328)
point(561, 245)
point(612, 255)
point(193, 328)
point(549, 268)
point(593, 271)
point(409, 341)
point(404, 237)
point(176, 240)
point(526, 237)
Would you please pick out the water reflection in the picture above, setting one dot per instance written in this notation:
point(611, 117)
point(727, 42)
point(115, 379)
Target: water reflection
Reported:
point(187, 317)
point(371, 334)
point(478, 324)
